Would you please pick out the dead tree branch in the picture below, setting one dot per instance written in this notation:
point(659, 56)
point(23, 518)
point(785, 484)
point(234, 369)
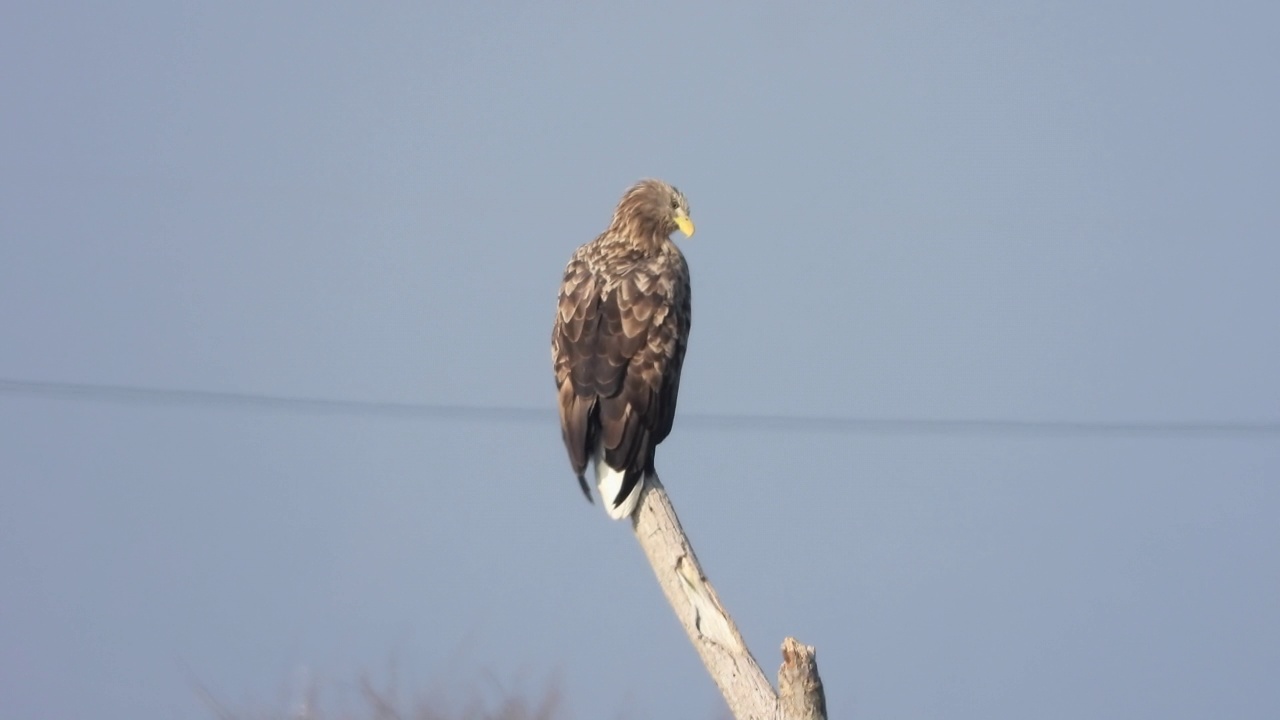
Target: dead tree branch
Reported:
point(712, 631)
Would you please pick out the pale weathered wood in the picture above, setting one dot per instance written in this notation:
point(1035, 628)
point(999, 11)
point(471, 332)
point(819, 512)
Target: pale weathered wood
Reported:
point(800, 693)
point(713, 633)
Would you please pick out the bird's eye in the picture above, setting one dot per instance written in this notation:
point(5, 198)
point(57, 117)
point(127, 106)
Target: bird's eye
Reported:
point(675, 203)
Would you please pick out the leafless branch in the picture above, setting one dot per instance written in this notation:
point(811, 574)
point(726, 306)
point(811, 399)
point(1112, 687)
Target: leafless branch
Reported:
point(712, 631)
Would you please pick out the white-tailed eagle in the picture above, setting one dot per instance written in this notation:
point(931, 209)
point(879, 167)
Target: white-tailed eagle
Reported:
point(619, 340)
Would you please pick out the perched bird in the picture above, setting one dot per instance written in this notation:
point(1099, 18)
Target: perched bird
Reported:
point(619, 340)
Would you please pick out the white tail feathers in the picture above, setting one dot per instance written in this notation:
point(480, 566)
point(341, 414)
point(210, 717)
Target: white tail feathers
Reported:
point(609, 482)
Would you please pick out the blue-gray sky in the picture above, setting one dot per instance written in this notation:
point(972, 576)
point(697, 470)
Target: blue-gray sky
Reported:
point(919, 210)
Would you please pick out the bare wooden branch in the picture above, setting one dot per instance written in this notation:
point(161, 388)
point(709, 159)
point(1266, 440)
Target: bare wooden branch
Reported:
point(800, 693)
point(712, 631)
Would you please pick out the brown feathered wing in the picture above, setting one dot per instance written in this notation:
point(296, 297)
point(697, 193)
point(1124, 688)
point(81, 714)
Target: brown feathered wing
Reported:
point(618, 345)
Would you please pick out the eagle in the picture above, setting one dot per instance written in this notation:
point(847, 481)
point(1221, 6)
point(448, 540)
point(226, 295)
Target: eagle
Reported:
point(618, 343)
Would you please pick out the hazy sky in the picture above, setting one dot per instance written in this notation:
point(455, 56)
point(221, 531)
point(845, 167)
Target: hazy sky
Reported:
point(925, 211)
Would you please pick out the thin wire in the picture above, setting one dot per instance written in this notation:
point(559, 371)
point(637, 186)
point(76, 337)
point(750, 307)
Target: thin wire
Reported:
point(139, 395)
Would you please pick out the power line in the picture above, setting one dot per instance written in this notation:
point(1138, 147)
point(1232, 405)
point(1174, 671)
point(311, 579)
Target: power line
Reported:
point(140, 395)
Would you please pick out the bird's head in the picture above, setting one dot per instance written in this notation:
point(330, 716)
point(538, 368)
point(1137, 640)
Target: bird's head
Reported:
point(653, 207)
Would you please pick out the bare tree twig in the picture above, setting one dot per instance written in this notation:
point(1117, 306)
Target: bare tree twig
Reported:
point(712, 631)
point(800, 693)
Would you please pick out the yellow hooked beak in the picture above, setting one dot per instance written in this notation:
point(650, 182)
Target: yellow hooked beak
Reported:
point(685, 224)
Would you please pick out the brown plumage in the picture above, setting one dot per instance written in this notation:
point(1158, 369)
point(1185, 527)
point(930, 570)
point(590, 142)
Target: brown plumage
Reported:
point(619, 341)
